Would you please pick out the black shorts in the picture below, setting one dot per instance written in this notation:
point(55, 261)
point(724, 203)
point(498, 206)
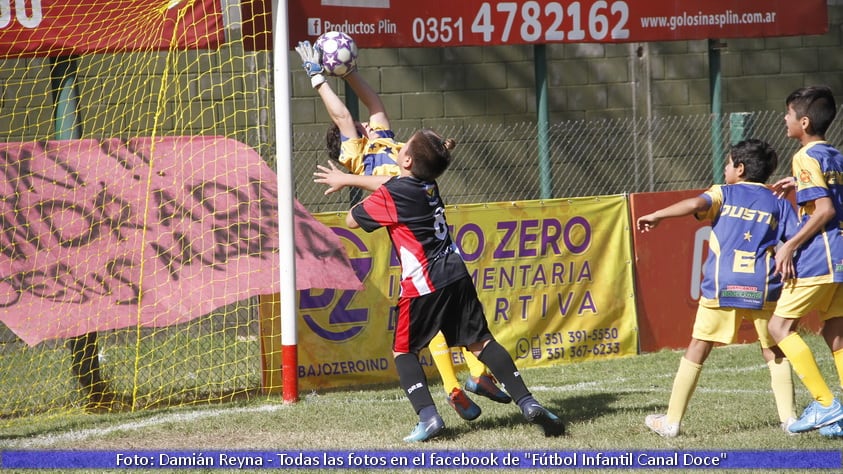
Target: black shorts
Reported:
point(455, 310)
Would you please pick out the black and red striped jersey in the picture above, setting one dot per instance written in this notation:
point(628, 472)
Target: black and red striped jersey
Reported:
point(413, 213)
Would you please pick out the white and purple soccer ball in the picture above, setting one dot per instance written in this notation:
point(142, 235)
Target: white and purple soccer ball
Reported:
point(339, 53)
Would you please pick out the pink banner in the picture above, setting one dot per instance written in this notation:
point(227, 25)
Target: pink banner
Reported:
point(108, 234)
point(61, 28)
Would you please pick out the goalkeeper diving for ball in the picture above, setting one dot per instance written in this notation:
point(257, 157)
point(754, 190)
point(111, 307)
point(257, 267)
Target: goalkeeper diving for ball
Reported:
point(370, 149)
point(739, 281)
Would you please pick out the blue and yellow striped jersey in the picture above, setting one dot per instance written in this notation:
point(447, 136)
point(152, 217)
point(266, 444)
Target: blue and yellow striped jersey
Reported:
point(747, 222)
point(365, 156)
point(818, 168)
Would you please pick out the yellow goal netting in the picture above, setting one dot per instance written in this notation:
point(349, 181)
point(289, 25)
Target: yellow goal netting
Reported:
point(138, 203)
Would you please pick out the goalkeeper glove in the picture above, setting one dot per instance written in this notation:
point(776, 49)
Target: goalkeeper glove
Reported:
point(311, 63)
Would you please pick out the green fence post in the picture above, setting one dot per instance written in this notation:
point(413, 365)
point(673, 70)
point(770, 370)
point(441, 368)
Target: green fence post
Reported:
point(355, 194)
point(542, 120)
point(740, 126)
point(67, 126)
point(717, 158)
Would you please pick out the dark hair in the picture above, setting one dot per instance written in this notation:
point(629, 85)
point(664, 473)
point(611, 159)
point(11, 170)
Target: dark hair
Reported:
point(758, 158)
point(816, 103)
point(333, 142)
point(431, 154)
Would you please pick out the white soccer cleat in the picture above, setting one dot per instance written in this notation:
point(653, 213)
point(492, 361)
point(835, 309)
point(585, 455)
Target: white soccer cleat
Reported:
point(786, 426)
point(659, 424)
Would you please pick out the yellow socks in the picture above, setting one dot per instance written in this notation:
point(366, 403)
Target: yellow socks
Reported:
point(805, 366)
point(475, 367)
point(781, 382)
point(444, 364)
point(684, 385)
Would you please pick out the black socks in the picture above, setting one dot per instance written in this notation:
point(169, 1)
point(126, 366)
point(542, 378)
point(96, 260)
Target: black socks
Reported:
point(503, 368)
point(414, 382)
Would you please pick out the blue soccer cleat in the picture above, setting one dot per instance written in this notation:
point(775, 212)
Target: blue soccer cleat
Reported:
point(426, 430)
point(834, 430)
point(816, 416)
point(539, 415)
point(485, 387)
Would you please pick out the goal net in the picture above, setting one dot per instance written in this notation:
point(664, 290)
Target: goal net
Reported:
point(138, 203)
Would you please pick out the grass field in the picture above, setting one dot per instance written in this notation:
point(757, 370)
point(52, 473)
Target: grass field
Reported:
point(604, 403)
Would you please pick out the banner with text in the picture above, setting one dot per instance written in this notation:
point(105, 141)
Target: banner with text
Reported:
point(73, 27)
point(106, 234)
point(391, 24)
point(555, 278)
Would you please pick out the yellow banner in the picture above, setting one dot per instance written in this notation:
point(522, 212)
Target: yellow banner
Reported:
point(555, 278)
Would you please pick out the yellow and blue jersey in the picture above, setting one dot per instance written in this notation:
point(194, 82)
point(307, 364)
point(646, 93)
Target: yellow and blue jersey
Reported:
point(818, 168)
point(365, 156)
point(747, 222)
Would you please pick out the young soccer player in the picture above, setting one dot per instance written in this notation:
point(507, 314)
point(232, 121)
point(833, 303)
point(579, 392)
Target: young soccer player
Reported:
point(739, 281)
point(811, 262)
point(437, 293)
point(370, 149)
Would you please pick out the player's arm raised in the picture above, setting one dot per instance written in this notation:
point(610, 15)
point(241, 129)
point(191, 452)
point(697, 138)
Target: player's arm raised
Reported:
point(685, 207)
point(339, 113)
point(370, 98)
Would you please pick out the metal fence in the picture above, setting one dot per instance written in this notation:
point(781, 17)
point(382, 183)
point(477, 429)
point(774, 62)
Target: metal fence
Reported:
point(504, 162)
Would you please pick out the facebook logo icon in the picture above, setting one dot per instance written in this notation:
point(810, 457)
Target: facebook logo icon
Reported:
point(314, 26)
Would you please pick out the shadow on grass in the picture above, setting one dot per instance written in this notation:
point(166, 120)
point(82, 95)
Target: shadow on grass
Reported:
point(572, 409)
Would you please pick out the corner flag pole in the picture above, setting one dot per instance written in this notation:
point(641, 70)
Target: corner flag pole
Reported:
point(284, 170)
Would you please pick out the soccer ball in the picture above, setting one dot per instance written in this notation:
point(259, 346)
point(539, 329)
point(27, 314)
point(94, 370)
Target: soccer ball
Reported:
point(339, 53)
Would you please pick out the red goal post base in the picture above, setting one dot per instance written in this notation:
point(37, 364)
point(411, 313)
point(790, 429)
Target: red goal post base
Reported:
point(275, 356)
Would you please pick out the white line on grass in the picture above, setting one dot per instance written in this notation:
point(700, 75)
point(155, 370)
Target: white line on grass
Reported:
point(48, 440)
point(587, 387)
point(619, 385)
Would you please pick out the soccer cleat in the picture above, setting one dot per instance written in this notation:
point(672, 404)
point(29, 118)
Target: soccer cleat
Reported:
point(426, 430)
point(816, 416)
point(659, 424)
point(464, 406)
point(786, 425)
point(539, 415)
point(834, 430)
point(484, 386)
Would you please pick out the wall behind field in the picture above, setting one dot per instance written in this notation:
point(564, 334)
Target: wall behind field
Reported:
point(467, 85)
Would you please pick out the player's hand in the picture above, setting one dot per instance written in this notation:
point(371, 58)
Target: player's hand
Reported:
point(645, 223)
point(333, 177)
point(311, 62)
point(783, 187)
point(784, 263)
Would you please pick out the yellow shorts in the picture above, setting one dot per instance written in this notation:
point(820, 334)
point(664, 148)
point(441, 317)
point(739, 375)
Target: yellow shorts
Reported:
point(722, 324)
point(825, 298)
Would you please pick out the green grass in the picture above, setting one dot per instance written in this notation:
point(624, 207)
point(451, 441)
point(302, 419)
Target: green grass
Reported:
point(604, 403)
point(175, 367)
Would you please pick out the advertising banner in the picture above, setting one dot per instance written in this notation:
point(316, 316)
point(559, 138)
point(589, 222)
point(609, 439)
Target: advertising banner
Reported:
point(393, 23)
point(668, 271)
point(555, 278)
point(106, 234)
point(74, 27)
